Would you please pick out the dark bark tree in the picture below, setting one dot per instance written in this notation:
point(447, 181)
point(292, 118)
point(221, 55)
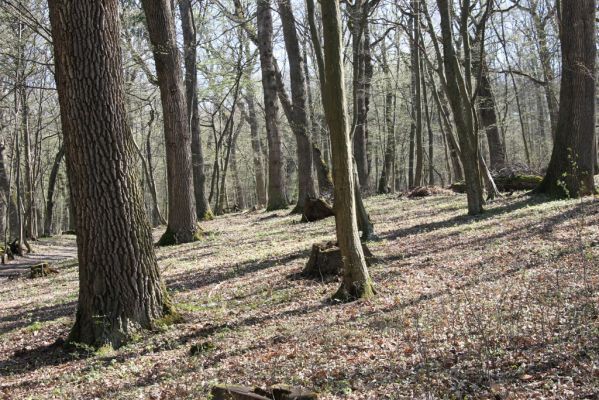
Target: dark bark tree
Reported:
point(49, 214)
point(488, 119)
point(358, 26)
point(191, 82)
point(299, 107)
point(571, 169)
point(277, 198)
point(182, 224)
point(356, 279)
point(120, 289)
point(417, 99)
point(386, 181)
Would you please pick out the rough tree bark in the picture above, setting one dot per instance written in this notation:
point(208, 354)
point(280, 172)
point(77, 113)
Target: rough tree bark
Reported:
point(299, 107)
point(417, 102)
point(571, 169)
point(191, 82)
point(276, 179)
point(49, 214)
point(356, 279)
point(120, 289)
point(182, 224)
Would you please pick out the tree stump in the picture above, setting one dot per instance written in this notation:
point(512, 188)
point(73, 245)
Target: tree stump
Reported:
point(316, 209)
point(325, 260)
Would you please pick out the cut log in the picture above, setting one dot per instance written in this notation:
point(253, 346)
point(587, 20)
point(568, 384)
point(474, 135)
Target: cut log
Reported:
point(421, 191)
point(515, 183)
point(284, 392)
point(325, 261)
point(506, 183)
point(41, 270)
point(316, 209)
point(235, 392)
point(277, 392)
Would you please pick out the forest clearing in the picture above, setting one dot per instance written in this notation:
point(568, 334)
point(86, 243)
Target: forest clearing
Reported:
point(503, 305)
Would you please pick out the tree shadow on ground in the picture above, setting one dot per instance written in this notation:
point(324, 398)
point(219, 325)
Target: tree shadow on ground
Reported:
point(524, 201)
point(192, 280)
point(23, 318)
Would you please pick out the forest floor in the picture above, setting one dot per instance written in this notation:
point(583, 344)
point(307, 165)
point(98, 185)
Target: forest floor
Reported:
point(505, 305)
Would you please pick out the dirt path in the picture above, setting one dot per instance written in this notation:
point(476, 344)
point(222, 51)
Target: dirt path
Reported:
point(51, 250)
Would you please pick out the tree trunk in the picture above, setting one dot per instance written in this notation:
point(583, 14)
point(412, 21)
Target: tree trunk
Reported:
point(49, 214)
point(356, 279)
point(386, 181)
point(277, 198)
point(488, 118)
point(417, 100)
point(120, 289)
point(571, 169)
point(459, 96)
point(358, 22)
point(256, 147)
point(191, 82)
point(182, 224)
point(299, 108)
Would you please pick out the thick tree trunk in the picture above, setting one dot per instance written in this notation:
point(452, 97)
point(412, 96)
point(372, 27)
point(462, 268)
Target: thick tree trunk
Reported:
point(191, 82)
point(299, 108)
point(356, 279)
point(571, 169)
point(182, 219)
point(277, 198)
point(120, 289)
point(49, 214)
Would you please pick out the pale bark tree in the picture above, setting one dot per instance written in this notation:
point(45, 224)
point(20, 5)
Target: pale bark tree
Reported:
point(356, 279)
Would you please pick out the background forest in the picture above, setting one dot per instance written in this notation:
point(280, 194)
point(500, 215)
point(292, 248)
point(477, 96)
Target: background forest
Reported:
point(168, 169)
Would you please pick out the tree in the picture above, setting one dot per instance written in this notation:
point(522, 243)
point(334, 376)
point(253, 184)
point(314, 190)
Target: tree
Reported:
point(458, 88)
point(356, 279)
point(571, 169)
point(182, 224)
point(191, 82)
point(298, 108)
point(276, 179)
point(120, 289)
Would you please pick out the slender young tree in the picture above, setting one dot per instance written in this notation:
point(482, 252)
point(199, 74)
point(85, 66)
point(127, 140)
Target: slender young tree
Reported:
point(188, 27)
point(182, 224)
point(571, 169)
point(120, 289)
point(356, 279)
